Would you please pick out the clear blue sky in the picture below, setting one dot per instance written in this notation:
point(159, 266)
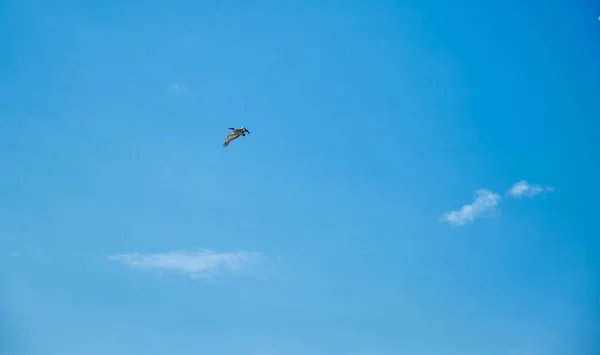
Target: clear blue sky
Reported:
point(126, 227)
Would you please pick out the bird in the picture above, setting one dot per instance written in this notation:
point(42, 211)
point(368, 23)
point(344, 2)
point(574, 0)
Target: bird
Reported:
point(235, 133)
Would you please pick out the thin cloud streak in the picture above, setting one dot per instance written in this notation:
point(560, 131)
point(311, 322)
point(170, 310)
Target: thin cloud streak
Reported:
point(177, 87)
point(36, 253)
point(199, 264)
point(523, 188)
point(485, 201)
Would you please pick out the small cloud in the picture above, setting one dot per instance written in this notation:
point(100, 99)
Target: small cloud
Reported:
point(176, 87)
point(36, 253)
point(198, 264)
point(523, 188)
point(485, 201)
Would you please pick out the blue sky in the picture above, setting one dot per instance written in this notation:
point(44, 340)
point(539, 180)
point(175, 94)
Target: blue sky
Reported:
point(420, 177)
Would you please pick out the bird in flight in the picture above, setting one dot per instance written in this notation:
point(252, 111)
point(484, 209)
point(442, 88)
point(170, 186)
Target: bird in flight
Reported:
point(235, 133)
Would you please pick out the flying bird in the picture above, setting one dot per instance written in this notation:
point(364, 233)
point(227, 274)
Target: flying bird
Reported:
point(235, 133)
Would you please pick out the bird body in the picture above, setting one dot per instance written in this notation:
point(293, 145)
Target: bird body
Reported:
point(235, 133)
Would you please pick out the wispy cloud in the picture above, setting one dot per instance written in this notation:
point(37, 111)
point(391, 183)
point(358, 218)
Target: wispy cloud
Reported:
point(198, 264)
point(36, 253)
point(523, 188)
point(176, 87)
point(485, 200)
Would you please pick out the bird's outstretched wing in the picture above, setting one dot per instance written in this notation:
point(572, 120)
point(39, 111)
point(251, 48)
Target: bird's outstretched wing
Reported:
point(230, 138)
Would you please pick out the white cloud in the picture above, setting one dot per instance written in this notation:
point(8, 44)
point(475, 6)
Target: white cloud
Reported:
point(523, 188)
point(485, 201)
point(176, 87)
point(202, 263)
point(36, 253)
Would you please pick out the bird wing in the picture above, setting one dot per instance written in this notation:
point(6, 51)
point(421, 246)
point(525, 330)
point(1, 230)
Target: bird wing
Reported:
point(230, 138)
